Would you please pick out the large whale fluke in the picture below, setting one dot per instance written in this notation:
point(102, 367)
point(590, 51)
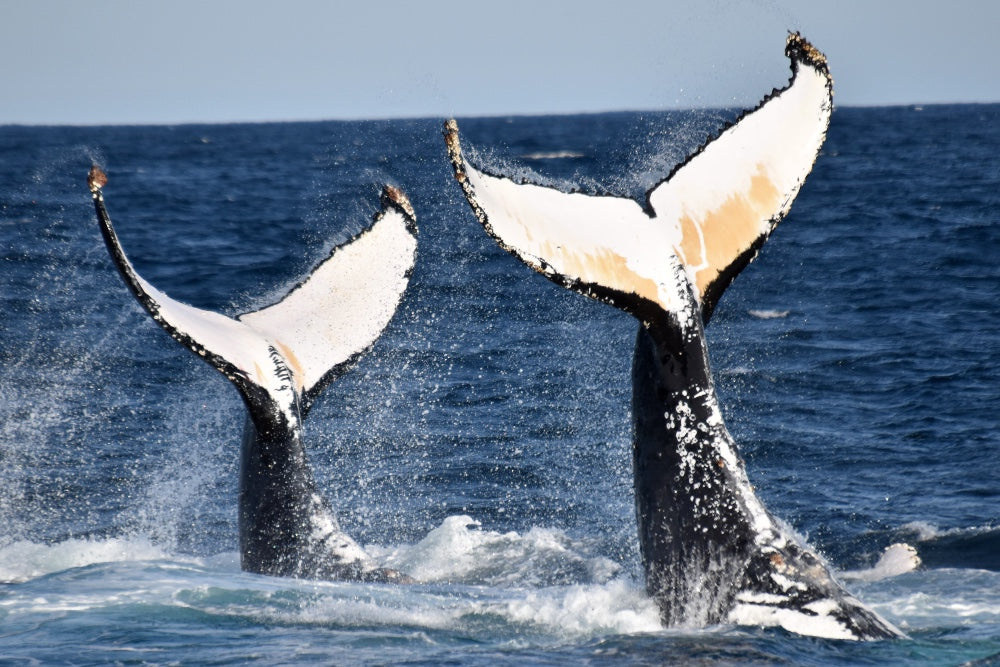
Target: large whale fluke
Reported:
point(280, 358)
point(712, 553)
point(714, 210)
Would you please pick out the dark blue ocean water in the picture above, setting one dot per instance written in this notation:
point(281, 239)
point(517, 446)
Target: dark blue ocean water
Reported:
point(484, 443)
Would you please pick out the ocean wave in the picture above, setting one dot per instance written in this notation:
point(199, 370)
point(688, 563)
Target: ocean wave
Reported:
point(619, 606)
point(458, 551)
point(465, 596)
point(930, 599)
point(476, 583)
point(768, 314)
point(24, 560)
point(974, 548)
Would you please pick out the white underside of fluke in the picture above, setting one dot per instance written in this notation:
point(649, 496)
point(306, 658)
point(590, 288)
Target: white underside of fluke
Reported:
point(716, 207)
point(343, 305)
point(328, 319)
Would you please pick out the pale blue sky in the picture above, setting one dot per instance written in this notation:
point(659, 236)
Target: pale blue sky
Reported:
point(133, 61)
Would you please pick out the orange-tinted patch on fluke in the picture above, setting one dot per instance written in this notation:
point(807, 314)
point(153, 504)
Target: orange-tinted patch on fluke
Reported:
point(293, 363)
point(724, 233)
point(604, 268)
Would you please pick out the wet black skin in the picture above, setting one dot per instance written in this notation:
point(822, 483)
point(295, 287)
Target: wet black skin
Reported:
point(278, 500)
point(277, 494)
point(695, 542)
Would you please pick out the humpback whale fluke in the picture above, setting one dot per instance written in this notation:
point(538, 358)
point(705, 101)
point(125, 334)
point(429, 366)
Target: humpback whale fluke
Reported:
point(280, 358)
point(712, 553)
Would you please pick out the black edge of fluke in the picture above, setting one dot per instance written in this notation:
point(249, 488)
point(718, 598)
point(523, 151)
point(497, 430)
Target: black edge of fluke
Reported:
point(462, 176)
point(458, 166)
point(390, 198)
point(799, 49)
point(96, 180)
point(648, 312)
point(393, 197)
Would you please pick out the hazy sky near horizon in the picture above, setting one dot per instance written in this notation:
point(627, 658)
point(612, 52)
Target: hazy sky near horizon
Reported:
point(127, 61)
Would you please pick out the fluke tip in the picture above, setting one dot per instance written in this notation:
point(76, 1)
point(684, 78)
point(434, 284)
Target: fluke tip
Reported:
point(799, 48)
point(394, 195)
point(96, 179)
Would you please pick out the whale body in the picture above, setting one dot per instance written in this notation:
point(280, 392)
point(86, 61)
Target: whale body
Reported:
point(711, 551)
point(280, 358)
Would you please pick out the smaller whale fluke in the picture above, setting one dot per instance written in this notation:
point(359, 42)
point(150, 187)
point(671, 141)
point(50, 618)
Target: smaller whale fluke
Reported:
point(711, 551)
point(280, 358)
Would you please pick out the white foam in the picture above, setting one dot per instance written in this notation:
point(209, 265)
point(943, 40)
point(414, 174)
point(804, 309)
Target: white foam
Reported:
point(552, 155)
point(935, 598)
point(554, 613)
point(925, 531)
point(24, 560)
point(617, 607)
point(897, 559)
point(503, 600)
point(458, 551)
point(764, 314)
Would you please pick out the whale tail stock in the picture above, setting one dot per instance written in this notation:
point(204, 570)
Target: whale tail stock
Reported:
point(280, 358)
point(711, 552)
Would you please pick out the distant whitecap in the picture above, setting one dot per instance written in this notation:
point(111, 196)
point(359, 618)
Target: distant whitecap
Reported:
point(768, 314)
point(552, 155)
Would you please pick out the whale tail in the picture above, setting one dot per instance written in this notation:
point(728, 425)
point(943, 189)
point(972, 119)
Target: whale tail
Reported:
point(291, 350)
point(712, 553)
point(280, 358)
point(713, 212)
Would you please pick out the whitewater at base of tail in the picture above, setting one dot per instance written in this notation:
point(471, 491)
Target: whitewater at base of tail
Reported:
point(489, 593)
